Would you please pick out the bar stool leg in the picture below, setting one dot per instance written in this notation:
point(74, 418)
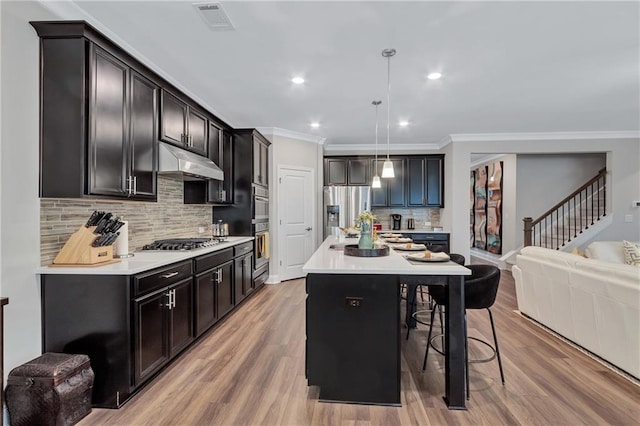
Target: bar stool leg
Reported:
point(495, 340)
point(426, 352)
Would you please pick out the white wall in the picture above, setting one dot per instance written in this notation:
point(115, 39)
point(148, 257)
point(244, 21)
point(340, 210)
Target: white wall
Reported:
point(19, 203)
point(290, 151)
point(547, 179)
point(623, 177)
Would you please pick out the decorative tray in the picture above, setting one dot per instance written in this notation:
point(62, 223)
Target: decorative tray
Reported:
point(353, 250)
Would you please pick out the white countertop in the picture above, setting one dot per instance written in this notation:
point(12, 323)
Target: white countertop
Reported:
point(331, 261)
point(143, 260)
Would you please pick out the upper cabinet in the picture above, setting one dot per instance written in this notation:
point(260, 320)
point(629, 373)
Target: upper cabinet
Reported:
point(98, 120)
point(425, 181)
point(346, 171)
point(182, 124)
point(392, 190)
point(260, 160)
point(418, 181)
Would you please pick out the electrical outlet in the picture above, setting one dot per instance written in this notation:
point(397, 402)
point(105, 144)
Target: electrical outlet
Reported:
point(628, 218)
point(353, 302)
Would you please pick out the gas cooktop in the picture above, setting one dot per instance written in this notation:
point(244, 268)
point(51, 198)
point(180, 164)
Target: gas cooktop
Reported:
point(182, 244)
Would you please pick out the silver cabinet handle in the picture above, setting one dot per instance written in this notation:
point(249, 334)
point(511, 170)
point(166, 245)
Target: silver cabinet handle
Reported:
point(169, 275)
point(169, 304)
point(173, 298)
point(219, 276)
point(191, 141)
point(135, 185)
point(129, 185)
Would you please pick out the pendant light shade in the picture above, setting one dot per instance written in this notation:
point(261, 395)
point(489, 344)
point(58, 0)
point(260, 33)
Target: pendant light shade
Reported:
point(387, 167)
point(376, 179)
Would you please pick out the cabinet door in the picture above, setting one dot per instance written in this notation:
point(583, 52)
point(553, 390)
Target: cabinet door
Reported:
point(143, 136)
point(335, 171)
point(205, 300)
point(197, 132)
point(416, 182)
point(247, 273)
point(151, 334)
point(434, 182)
point(396, 184)
point(181, 316)
point(108, 125)
point(358, 172)
point(173, 115)
point(225, 288)
point(264, 164)
point(379, 196)
point(240, 292)
point(227, 166)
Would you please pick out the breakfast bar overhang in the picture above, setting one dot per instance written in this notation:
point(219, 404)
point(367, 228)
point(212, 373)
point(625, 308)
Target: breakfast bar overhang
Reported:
point(353, 324)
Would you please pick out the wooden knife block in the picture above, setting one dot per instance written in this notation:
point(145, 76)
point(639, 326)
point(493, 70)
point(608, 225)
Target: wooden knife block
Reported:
point(78, 251)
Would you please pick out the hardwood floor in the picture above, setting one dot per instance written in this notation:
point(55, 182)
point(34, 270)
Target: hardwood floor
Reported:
point(249, 370)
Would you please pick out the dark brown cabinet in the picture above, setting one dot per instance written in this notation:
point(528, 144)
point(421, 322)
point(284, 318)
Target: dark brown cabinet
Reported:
point(260, 161)
point(213, 288)
point(98, 121)
point(392, 190)
point(243, 271)
point(435, 241)
point(221, 153)
point(425, 184)
point(152, 334)
point(346, 171)
point(182, 124)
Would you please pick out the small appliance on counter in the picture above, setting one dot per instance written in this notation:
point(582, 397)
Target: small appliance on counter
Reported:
point(411, 223)
point(220, 229)
point(397, 221)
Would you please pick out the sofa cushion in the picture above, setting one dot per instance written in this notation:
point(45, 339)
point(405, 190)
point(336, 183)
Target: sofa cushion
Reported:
point(556, 257)
point(608, 271)
point(631, 253)
point(608, 251)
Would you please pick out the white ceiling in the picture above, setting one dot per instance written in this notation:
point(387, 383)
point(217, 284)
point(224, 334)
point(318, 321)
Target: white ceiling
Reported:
point(508, 66)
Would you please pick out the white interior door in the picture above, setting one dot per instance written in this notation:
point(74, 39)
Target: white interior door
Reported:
point(296, 208)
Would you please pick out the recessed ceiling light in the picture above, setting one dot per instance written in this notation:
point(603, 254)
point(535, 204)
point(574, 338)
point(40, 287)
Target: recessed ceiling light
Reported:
point(434, 76)
point(315, 125)
point(403, 123)
point(297, 80)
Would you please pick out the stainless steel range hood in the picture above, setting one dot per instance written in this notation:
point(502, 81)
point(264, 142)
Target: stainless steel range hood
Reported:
point(187, 165)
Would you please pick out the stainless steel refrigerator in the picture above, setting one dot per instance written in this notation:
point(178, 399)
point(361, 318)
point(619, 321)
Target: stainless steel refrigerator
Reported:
point(342, 204)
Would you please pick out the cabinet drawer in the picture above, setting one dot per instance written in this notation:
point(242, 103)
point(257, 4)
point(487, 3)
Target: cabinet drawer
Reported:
point(211, 260)
point(159, 278)
point(243, 248)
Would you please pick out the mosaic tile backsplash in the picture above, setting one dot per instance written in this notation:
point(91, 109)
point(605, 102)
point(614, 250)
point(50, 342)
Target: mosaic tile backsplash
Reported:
point(419, 214)
point(148, 221)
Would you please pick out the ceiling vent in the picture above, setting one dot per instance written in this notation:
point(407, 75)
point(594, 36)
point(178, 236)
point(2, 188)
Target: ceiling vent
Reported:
point(214, 15)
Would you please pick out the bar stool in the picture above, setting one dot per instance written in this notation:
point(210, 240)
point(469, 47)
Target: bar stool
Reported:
point(480, 291)
point(416, 315)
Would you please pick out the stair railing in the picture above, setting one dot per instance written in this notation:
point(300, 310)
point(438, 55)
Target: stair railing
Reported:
point(571, 216)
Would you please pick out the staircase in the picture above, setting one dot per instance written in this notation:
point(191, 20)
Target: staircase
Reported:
point(567, 220)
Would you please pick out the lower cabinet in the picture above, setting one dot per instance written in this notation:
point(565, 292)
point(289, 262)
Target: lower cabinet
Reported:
point(131, 326)
point(434, 241)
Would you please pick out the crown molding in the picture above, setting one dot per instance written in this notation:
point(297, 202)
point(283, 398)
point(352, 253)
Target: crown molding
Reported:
point(408, 148)
point(277, 131)
point(486, 160)
point(539, 136)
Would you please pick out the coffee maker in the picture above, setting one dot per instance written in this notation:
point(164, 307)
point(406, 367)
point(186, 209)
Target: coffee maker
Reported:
point(397, 221)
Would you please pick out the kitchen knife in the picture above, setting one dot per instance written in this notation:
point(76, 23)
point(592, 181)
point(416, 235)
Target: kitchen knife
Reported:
point(103, 222)
point(92, 220)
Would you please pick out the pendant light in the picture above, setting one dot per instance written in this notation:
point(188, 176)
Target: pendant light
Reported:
point(387, 167)
point(376, 179)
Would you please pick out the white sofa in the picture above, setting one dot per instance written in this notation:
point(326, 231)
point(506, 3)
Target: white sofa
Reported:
point(593, 302)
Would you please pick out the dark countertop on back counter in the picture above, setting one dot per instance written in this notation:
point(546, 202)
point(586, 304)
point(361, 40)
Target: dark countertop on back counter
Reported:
point(413, 231)
point(141, 261)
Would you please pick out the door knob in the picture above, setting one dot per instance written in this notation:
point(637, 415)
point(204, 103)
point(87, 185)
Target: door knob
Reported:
point(308, 229)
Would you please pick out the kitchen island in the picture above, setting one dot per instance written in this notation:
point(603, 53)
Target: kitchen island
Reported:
point(353, 324)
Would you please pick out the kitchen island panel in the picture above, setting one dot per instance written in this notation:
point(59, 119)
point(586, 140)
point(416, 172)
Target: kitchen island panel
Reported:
point(353, 338)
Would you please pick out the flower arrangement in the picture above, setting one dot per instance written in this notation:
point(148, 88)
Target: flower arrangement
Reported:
point(365, 216)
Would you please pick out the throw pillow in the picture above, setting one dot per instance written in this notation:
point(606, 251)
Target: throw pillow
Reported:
point(631, 253)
